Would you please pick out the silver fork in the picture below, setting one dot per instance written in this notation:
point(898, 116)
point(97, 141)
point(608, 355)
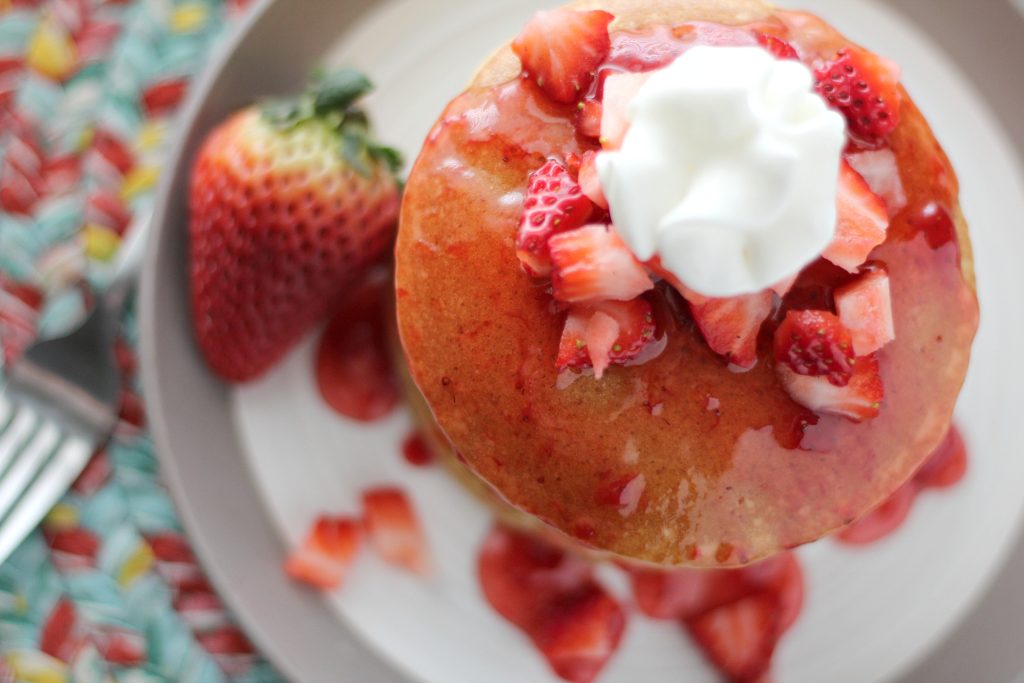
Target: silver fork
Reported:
point(60, 402)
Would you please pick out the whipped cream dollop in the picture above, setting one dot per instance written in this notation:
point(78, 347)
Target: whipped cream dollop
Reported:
point(728, 172)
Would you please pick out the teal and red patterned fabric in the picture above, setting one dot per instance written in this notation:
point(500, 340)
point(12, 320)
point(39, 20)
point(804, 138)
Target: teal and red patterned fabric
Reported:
point(107, 589)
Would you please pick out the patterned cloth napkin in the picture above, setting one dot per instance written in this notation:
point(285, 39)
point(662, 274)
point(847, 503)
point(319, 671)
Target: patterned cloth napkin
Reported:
point(107, 589)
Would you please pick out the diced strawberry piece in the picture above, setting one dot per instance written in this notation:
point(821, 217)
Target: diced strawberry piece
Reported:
point(865, 308)
point(880, 171)
point(606, 333)
point(592, 264)
point(730, 326)
point(417, 451)
point(554, 203)
point(883, 520)
point(581, 636)
point(859, 400)
point(816, 344)
point(865, 88)
point(863, 220)
point(590, 182)
point(619, 91)
point(394, 529)
point(561, 48)
point(740, 638)
point(588, 119)
point(779, 48)
point(324, 557)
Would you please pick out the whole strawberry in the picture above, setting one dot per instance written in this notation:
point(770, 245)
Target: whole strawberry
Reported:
point(289, 203)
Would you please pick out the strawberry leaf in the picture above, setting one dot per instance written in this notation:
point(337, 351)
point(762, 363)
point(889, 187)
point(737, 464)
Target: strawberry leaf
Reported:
point(339, 90)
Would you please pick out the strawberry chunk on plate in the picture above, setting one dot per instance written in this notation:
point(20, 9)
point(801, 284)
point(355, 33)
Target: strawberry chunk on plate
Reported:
point(863, 221)
point(604, 334)
point(593, 264)
point(581, 635)
point(731, 326)
point(324, 557)
point(739, 638)
point(816, 344)
point(554, 203)
point(861, 399)
point(560, 49)
point(865, 308)
point(394, 529)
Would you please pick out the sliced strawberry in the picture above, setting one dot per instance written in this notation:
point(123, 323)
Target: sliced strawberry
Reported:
point(730, 326)
point(816, 344)
point(865, 308)
point(561, 48)
point(590, 182)
point(883, 520)
point(740, 638)
point(947, 466)
point(588, 118)
point(554, 203)
point(863, 220)
point(394, 529)
point(619, 91)
point(779, 48)
point(859, 400)
point(581, 635)
point(593, 264)
point(606, 333)
point(676, 593)
point(880, 171)
point(324, 557)
point(865, 88)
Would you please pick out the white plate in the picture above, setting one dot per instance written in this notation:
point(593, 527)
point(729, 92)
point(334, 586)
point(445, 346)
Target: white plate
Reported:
point(870, 614)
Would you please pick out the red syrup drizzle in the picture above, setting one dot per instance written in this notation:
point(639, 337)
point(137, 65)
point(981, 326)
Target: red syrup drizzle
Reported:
point(354, 370)
point(944, 469)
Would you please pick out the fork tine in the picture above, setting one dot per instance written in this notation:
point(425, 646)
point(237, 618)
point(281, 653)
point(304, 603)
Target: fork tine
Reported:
point(55, 479)
point(27, 464)
point(14, 437)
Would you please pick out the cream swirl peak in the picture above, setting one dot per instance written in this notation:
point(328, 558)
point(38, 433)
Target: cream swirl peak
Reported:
point(728, 173)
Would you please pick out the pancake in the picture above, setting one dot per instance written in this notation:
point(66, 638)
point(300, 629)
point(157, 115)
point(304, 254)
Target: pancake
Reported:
point(723, 468)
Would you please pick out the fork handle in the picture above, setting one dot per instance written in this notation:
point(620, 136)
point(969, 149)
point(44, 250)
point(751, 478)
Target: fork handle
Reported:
point(129, 259)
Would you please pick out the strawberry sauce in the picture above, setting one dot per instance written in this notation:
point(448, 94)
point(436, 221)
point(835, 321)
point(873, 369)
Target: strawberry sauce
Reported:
point(354, 369)
point(946, 468)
